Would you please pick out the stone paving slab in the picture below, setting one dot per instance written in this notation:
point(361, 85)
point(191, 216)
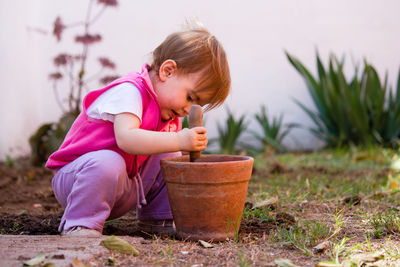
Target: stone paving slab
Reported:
point(16, 249)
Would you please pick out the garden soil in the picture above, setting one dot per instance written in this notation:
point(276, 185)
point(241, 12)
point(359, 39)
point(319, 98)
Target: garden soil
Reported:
point(30, 215)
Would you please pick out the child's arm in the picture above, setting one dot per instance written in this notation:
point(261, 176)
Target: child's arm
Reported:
point(131, 139)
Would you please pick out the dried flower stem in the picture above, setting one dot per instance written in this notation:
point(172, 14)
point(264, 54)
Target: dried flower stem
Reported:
point(84, 57)
point(58, 97)
point(77, 81)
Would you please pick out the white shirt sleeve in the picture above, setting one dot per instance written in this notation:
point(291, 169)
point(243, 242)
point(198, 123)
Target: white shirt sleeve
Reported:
point(124, 97)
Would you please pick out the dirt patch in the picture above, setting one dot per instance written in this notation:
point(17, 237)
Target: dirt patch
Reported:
point(28, 210)
point(29, 224)
point(26, 189)
point(29, 207)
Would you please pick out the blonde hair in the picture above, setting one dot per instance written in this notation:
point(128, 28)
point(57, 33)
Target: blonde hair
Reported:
point(196, 49)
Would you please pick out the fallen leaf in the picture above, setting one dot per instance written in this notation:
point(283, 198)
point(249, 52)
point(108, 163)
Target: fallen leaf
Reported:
point(395, 165)
point(394, 185)
point(267, 202)
point(362, 156)
point(284, 263)
point(205, 244)
point(48, 264)
point(36, 260)
point(303, 203)
point(119, 245)
point(328, 264)
point(78, 263)
point(366, 258)
point(321, 247)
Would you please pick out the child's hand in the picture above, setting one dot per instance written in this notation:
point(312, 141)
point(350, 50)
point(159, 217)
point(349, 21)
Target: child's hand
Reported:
point(194, 139)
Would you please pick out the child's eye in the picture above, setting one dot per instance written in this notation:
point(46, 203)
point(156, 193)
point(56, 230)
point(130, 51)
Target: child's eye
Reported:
point(189, 98)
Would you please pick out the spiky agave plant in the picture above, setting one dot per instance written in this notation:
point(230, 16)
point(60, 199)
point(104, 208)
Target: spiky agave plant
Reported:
point(228, 134)
point(362, 110)
point(273, 130)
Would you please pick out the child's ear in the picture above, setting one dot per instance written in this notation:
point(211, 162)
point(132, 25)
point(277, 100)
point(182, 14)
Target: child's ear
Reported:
point(167, 69)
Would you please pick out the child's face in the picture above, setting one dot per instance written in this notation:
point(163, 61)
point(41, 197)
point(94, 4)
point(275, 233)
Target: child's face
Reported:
point(176, 93)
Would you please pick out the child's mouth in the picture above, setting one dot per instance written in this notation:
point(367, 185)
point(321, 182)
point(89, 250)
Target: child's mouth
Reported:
point(174, 114)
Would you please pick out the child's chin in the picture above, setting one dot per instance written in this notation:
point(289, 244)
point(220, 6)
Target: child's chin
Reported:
point(165, 118)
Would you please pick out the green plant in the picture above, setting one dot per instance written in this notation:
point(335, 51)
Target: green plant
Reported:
point(233, 225)
point(367, 237)
point(385, 223)
point(294, 236)
point(273, 130)
point(339, 249)
point(15, 227)
point(361, 111)
point(9, 161)
point(260, 215)
point(338, 224)
point(243, 261)
point(185, 122)
point(303, 236)
point(228, 135)
point(391, 251)
point(49, 136)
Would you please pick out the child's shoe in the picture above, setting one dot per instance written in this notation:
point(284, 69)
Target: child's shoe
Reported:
point(162, 227)
point(80, 231)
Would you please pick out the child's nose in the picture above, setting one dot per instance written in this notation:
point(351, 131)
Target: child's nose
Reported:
point(187, 109)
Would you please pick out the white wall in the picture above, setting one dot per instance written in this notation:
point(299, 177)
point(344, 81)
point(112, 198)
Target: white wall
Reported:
point(255, 34)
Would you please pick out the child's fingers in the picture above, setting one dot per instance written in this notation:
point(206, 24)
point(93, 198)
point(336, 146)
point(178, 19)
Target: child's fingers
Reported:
point(201, 146)
point(199, 130)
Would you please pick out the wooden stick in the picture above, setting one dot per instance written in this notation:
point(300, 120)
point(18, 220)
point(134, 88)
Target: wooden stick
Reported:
point(195, 120)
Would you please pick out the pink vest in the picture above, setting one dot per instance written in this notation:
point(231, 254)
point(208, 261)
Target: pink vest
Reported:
point(88, 134)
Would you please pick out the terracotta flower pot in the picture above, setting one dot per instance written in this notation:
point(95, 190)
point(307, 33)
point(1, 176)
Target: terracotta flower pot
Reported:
point(207, 196)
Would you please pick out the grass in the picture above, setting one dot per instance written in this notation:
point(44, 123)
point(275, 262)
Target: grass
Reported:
point(260, 215)
point(387, 223)
point(321, 175)
point(340, 196)
point(302, 236)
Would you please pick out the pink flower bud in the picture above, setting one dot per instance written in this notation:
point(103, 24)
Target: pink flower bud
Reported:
point(58, 28)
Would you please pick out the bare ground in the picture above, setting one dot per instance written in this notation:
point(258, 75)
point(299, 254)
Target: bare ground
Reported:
point(28, 207)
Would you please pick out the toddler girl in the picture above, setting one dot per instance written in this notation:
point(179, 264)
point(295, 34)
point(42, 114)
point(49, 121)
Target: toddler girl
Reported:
point(109, 161)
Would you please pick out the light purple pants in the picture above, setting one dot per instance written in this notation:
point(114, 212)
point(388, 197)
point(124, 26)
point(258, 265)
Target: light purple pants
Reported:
point(95, 187)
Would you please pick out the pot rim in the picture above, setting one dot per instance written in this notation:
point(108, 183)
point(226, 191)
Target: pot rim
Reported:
point(236, 159)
